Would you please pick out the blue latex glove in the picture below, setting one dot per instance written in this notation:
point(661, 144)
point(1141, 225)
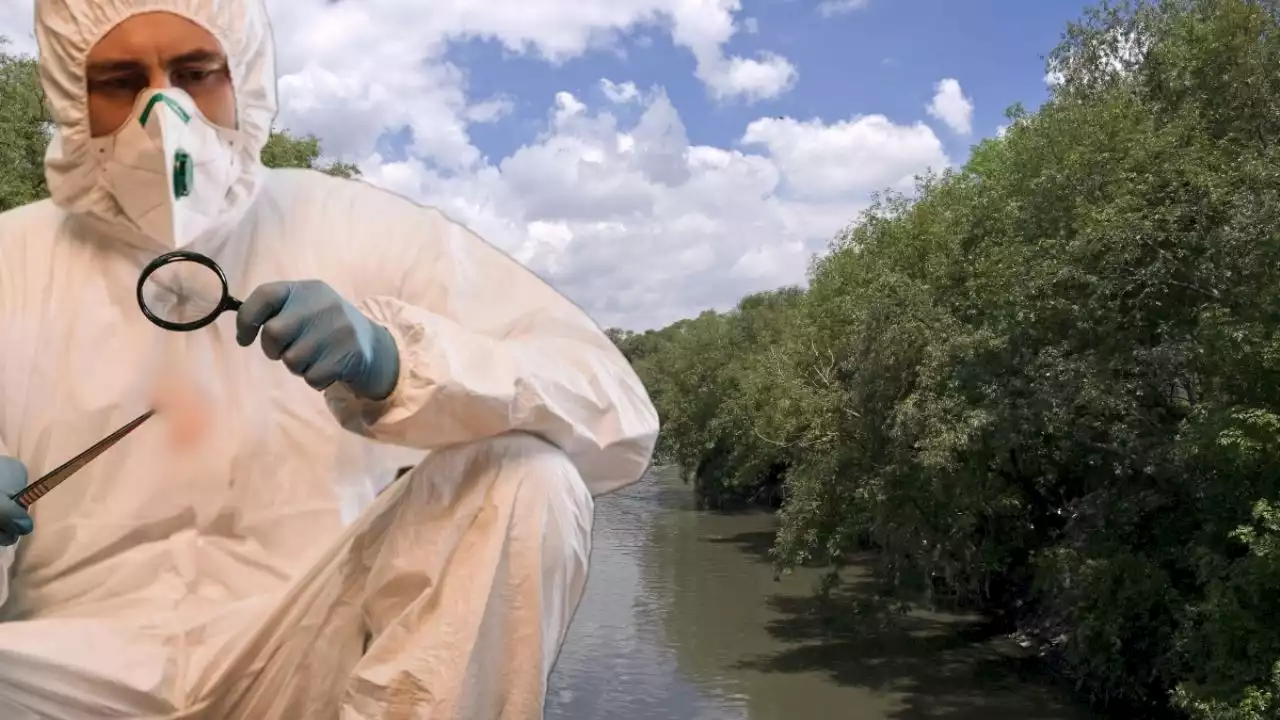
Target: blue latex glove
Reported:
point(14, 521)
point(320, 337)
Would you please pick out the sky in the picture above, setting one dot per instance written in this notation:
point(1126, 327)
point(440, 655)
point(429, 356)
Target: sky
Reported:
point(652, 159)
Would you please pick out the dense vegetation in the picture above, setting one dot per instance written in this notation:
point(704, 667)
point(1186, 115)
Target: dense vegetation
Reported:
point(1048, 383)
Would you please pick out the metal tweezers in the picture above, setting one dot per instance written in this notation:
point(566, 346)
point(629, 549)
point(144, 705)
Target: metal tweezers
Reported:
point(54, 478)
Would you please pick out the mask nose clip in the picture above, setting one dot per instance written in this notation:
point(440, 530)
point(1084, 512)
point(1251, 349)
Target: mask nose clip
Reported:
point(184, 174)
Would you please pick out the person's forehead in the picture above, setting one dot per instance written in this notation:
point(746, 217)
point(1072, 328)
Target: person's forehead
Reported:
point(151, 37)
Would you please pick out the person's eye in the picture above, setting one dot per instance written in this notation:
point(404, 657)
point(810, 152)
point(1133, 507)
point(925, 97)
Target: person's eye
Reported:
point(196, 76)
point(118, 84)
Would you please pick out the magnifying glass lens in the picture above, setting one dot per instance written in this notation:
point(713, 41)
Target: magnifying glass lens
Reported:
point(182, 293)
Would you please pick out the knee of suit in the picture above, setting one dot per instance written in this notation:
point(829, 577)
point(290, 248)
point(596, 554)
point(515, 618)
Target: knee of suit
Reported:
point(534, 463)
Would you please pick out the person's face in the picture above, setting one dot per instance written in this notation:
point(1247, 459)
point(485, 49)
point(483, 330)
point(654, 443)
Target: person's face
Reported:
point(157, 50)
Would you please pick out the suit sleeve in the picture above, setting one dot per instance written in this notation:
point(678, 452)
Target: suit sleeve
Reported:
point(486, 347)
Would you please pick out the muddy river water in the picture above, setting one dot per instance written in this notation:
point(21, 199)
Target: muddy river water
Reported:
point(683, 620)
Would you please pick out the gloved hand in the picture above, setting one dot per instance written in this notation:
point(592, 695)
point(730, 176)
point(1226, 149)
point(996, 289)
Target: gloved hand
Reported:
point(320, 337)
point(14, 520)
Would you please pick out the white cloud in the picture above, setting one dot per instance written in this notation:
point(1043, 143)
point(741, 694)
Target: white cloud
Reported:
point(619, 92)
point(629, 218)
point(555, 29)
point(951, 106)
point(490, 111)
point(15, 26)
point(831, 8)
point(641, 227)
point(864, 154)
point(760, 78)
point(351, 70)
point(567, 106)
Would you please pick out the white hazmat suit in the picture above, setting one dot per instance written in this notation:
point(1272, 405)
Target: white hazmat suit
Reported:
point(281, 572)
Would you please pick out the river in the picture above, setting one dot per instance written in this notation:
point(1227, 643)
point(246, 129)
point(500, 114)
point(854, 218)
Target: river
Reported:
point(682, 620)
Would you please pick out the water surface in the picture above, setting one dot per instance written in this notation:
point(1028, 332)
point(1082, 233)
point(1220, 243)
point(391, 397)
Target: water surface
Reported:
point(682, 620)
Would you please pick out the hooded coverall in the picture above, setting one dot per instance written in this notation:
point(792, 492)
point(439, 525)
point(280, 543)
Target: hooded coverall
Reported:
point(282, 572)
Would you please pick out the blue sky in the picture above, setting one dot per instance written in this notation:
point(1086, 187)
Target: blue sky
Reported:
point(758, 131)
point(883, 58)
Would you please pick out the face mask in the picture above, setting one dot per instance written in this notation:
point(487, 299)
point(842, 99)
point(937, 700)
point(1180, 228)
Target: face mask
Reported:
point(169, 168)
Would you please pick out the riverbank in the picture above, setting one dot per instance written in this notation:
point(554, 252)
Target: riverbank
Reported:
point(682, 619)
point(1043, 383)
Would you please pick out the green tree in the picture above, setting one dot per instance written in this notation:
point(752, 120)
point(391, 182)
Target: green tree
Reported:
point(24, 131)
point(1047, 384)
point(283, 150)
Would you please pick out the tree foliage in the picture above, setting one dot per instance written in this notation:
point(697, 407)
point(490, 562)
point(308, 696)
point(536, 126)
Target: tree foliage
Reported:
point(1046, 384)
point(24, 131)
point(25, 127)
point(286, 151)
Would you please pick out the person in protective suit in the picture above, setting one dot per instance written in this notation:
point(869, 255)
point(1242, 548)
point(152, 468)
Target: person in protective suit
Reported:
point(280, 570)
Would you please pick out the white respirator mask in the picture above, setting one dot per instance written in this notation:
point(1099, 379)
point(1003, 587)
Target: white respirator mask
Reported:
point(169, 168)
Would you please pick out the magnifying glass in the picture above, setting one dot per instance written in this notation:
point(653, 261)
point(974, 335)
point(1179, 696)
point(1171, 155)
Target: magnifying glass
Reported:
point(184, 291)
point(180, 291)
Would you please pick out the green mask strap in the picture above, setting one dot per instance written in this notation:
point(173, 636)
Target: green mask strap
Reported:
point(184, 170)
point(173, 105)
